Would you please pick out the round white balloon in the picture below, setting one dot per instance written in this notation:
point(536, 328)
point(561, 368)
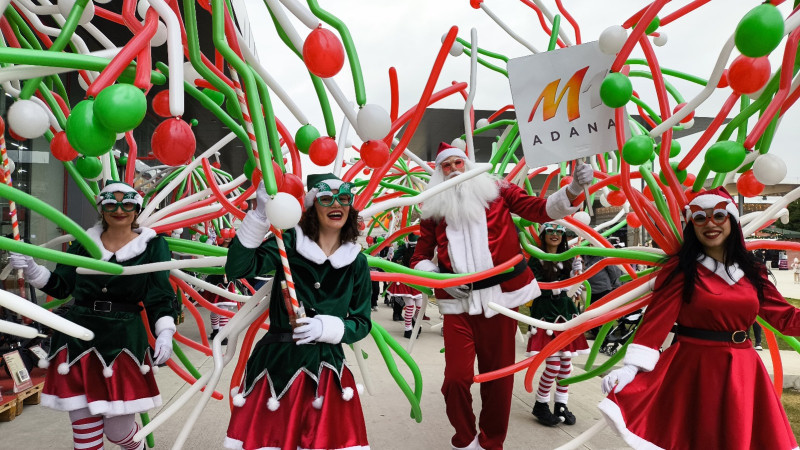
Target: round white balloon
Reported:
point(283, 211)
point(482, 123)
point(582, 217)
point(189, 73)
point(661, 39)
point(28, 119)
point(160, 38)
point(65, 6)
point(457, 49)
point(11, 166)
point(769, 169)
point(374, 122)
point(784, 219)
point(688, 124)
point(459, 143)
point(142, 8)
point(612, 39)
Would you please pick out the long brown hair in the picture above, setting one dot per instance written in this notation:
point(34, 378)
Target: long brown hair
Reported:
point(309, 223)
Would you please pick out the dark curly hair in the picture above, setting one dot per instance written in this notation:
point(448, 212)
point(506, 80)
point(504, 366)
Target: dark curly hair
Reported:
point(309, 223)
point(559, 270)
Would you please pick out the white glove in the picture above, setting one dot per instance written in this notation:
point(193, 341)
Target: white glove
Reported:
point(163, 348)
point(261, 201)
point(557, 291)
point(461, 291)
point(310, 331)
point(36, 275)
point(582, 176)
point(619, 378)
point(577, 265)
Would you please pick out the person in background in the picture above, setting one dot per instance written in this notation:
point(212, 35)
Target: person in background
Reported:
point(796, 270)
point(603, 282)
point(219, 321)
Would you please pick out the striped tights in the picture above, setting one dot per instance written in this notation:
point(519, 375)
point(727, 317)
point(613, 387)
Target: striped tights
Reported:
point(556, 368)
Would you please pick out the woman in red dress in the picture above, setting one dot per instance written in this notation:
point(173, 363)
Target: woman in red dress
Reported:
point(709, 389)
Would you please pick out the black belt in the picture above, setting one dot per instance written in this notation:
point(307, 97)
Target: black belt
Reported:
point(736, 337)
point(495, 279)
point(105, 306)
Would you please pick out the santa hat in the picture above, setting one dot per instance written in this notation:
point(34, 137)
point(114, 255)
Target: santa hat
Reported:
point(321, 184)
point(712, 198)
point(446, 150)
point(106, 195)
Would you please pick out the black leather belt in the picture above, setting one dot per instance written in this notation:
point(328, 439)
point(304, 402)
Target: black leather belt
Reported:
point(736, 337)
point(105, 306)
point(496, 279)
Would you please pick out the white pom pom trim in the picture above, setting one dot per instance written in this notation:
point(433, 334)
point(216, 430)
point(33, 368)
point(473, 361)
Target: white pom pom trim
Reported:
point(534, 331)
point(144, 368)
point(317, 403)
point(63, 368)
point(43, 364)
point(239, 400)
point(155, 370)
point(273, 404)
point(347, 394)
point(549, 332)
point(360, 388)
point(108, 372)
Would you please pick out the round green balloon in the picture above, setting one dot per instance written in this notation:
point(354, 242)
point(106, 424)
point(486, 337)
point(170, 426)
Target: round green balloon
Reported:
point(653, 26)
point(233, 110)
point(88, 166)
point(120, 107)
point(725, 156)
point(203, 238)
point(85, 133)
point(215, 96)
point(616, 90)
point(249, 166)
point(123, 160)
point(305, 136)
point(681, 174)
point(674, 148)
point(760, 31)
point(745, 168)
point(638, 150)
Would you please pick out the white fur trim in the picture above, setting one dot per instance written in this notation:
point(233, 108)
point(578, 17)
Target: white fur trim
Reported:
point(63, 368)
point(474, 445)
point(708, 201)
point(645, 358)
point(347, 394)
point(155, 370)
point(427, 265)
point(239, 445)
point(613, 416)
point(144, 368)
point(165, 323)
point(311, 195)
point(448, 152)
point(533, 331)
point(718, 268)
point(253, 229)
point(549, 332)
point(130, 250)
point(239, 401)
point(317, 403)
point(104, 408)
point(234, 391)
point(108, 372)
point(273, 404)
point(43, 363)
point(344, 255)
point(558, 205)
point(332, 329)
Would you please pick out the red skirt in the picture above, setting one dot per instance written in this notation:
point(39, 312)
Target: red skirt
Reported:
point(539, 339)
point(297, 423)
point(126, 391)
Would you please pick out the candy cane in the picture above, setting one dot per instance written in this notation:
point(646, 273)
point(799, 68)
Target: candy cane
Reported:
point(287, 272)
point(12, 206)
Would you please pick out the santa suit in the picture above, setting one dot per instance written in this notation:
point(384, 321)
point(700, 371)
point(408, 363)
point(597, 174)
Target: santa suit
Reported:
point(470, 328)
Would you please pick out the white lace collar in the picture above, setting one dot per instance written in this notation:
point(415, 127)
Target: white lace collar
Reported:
point(130, 250)
point(719, 269)
point(344, 255)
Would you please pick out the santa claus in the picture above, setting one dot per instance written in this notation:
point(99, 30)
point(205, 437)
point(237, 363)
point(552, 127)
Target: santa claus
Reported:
point(470, 228)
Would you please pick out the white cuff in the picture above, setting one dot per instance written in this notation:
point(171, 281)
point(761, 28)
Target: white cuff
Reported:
point(332, 329)
point(427, 265)
point(558, 205)
point(165, 323)
point(645, 358)
point(253, 229)
point(37, 276)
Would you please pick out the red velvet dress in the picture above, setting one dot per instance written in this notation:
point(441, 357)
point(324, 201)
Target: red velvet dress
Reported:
point(704, 394)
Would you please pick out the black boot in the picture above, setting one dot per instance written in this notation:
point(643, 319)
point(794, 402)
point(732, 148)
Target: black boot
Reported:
point(542, 413)
point(564, 414)
point(407, 334)
point(213, 334)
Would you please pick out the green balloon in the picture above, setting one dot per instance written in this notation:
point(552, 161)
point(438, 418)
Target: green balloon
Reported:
point(305, 136)
point(85, 133)
point(123, 160)
point(249, 166)
point(653, 26)
point(745, 168)
point(203, 238)
point(681, 174)
point(760, 31)
point(215, 96)
point(674, 148)
point(88, 166)
point(638, 150)
point(725, 156)
point(616, 90)
point(120, 107)
point(233, 110)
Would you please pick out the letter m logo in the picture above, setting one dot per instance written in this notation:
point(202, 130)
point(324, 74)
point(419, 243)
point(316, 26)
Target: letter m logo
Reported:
point(550, 103)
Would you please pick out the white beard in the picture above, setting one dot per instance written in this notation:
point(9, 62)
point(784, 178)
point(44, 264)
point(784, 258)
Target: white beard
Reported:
point(464, 203)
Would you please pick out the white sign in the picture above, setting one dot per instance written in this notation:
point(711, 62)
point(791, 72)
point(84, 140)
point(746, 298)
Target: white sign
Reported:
point(557, 100)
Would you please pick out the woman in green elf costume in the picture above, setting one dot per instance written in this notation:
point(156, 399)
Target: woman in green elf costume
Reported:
point(297, 392)
point(104, 382)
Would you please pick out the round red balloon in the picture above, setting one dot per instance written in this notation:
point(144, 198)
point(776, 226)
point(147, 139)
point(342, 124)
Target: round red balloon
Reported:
point(293, 185)
point(633, 220)
point(366, 171)
point(689, 181)
point(173, 142)
point(565, 181)
point(616, 198)
point(747, 75)
point(648, 193)
point(375, 153)
point(323, 53)
point(276, 170)
point(748, 185)
point(161, 104)
point(323, 151)
point(723, 80)
point(216, 164)
point(61, 149)
point(680, 106)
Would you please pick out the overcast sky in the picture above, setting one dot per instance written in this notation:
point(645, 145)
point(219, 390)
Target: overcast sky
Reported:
point(407, 35)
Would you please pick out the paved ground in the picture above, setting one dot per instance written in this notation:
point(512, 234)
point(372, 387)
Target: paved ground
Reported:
point(385, 408)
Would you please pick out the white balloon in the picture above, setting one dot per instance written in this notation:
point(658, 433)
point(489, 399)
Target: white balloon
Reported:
point(283, 211)
point(482, 123)
point(582, 217)
point(28, 119)
point(120, 136)
point(373, 122)
point(604, 201)
point(784, 219)
point(769, 169)
point(688, 124)
point(612, 39)
point(189, 73)
point(82, 83)
point(661, 39)
point(65, 6)
point(142, 8)
point(11, 166)
point(160, 38)
point(102, 2)
point(457, 49)
point(459, 143)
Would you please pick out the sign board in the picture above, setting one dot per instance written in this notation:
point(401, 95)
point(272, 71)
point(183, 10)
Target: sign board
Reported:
point(557, 100)
point(19, 373)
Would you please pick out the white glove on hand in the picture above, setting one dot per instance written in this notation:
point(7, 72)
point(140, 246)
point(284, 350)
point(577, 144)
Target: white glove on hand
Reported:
point(36, 275)
point(582, 176)
point(557, 291)
point(163, 349)
point(461, 291)
point(619, 378)
point(310, 331)
point(577, 265)
point(262, 198)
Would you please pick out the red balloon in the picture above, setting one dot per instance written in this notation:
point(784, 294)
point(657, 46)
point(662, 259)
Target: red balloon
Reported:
point(2, 126)
point(366, 171)
point(475, 3)
point(690, 194)
point(565, 181)
point(689, 181)
point(723, 80)
point(370, 240)
point(216, 164)
point(220, 240)
point(375, 153)
point(243, 206)
point(648, 193)
point(680, 106)
point(616, 198)
point(748, 185)
point(323, 151)
point(61, 149)
point(276, 170)
point(161, 104)
point(225, 233)
point(747, 75)
point(633, 220)
point(323, 53)
point(15, 136)
point(293, 185)
point(173, 142)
